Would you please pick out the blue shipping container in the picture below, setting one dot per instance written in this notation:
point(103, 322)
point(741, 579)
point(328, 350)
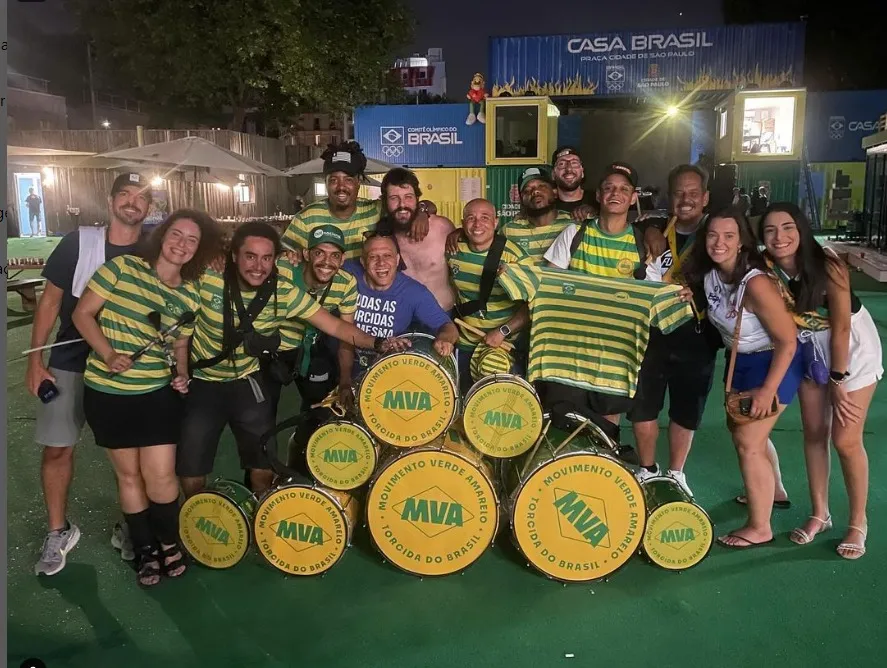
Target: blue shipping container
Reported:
point(836, 122)
point(420, 135)
point(649, 63)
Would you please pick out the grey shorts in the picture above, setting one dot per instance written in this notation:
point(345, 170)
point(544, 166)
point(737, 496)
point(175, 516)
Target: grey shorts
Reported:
point(60, 422)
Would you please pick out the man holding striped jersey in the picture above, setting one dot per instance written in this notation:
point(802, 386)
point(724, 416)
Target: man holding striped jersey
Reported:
point(496, 314)
point(540, 222)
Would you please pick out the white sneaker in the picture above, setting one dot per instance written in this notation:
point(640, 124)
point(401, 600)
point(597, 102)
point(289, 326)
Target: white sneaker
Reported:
point(643, 474)
point(680, 478)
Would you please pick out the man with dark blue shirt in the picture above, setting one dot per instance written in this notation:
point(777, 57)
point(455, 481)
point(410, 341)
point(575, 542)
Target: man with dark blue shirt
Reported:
point(60, 421)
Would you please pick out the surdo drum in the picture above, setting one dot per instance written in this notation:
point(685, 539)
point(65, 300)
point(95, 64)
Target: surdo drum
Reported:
point(679, 533)
point(215, 524)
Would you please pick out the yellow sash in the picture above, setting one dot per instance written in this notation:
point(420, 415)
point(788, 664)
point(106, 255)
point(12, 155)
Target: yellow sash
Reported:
point(673, 275)
point(814, 321)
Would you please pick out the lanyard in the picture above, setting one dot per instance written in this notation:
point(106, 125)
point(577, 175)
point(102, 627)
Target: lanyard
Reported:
point(673, 275)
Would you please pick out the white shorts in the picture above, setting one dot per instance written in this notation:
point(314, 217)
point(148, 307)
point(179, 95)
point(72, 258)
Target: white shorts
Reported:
point(866, 366)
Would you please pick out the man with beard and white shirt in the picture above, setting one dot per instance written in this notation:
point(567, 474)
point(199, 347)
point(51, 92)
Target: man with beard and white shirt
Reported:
point(423, 259)
point(60, 421)
point(683, 361)
point(569, 178)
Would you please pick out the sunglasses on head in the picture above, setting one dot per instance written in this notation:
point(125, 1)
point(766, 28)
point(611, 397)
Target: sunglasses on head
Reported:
point(370, 234)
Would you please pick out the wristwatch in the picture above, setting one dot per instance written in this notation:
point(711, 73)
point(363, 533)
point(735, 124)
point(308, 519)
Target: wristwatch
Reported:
point(505, 330)
point(838, 377)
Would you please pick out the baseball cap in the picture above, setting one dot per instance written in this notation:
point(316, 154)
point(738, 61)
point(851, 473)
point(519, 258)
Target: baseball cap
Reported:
point(562, 151)
point(533, 173)
point(326, 234)
point(624, 169)
point(131, 179)
point(342, 161)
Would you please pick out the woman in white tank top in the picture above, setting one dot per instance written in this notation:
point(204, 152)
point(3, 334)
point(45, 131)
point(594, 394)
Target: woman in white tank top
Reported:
point(767, 366)
point(841, 331)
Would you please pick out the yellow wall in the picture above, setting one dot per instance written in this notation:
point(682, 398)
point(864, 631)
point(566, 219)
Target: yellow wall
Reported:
point(444, 186)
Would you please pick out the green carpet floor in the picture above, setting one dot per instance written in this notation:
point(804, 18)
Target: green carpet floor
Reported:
point(781, 605)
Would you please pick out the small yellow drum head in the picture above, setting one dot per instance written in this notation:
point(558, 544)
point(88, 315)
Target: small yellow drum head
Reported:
point(679, 535)
point(407, 400)
point(300, 530)
point(487, 361)
point(432, 513)
point(503, 418)
point(579, 517)
point(341, 455)
point(214, 530)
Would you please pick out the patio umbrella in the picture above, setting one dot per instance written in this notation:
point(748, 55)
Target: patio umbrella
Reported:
point(316, 167)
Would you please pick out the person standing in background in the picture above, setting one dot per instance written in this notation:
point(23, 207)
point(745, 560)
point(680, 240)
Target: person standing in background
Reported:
point(33, 202)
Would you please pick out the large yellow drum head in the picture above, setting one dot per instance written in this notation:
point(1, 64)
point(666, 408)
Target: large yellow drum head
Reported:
point(407, 399)
point(341, 455)
point(679, 535)
point(300, 530)
point(214, 524)
point(431, 512)
point(579, 517)
point(502, 416)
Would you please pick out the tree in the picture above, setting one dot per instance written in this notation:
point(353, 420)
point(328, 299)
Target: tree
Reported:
point(843, 46)
point(206, 55)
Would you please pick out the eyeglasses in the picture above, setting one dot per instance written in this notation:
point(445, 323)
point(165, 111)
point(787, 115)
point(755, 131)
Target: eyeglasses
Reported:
point(370, 234)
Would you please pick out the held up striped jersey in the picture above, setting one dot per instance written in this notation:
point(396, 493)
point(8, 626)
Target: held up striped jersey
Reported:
point(365, 217)
point(466, 268)
point(591, 332)
point(131, 290)
point(535, 240)
point(342, 297)
point(292, 302)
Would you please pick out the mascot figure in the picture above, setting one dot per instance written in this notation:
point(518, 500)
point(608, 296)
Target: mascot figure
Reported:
point(476, 96)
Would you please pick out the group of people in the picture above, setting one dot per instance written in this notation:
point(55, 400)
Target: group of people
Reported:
point(182, 336)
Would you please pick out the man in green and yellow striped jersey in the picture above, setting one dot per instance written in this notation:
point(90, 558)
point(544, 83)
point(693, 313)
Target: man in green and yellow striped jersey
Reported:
point(236, 333)
point(344, 168)
point(540, 222)
point(495, 313)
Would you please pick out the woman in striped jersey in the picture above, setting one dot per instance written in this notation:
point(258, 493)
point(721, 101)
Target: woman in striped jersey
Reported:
point(768, 363)
point(133, 403)
point(815, 283)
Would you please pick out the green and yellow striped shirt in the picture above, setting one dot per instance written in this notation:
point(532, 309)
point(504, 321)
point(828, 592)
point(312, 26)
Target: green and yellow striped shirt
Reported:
point(592, 332)
point(131, 290)
point(535, 240)
point(342, 297)
point(466, 268)
point(608, 255)
point(365, 217)
point(291, 302)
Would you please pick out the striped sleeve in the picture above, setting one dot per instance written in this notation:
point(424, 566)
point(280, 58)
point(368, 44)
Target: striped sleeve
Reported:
point(190, 296)
point(105, 278)
point(296, 235)
point(348, 303)
point(668, 312)
point(519, 281)
point(298, 303)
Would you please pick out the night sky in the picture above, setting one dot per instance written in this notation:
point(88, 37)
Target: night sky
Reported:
point(461, 27)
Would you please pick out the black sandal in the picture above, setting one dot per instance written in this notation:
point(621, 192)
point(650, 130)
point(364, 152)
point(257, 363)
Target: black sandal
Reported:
point(174, 550)
point(148, 567)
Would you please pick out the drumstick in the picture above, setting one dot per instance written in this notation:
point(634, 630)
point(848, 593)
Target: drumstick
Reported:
point(571, 436)
point(60, 343)
point(535, 448)
point(507, 347)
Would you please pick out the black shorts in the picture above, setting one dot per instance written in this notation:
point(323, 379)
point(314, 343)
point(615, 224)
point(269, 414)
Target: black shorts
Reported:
point(121, 421)
point(209, 407)
point(685, 370)
point(557, 397)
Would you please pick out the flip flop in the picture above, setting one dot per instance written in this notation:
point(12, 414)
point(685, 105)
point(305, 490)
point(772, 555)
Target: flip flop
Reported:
point(742, 500)
point(747, 546)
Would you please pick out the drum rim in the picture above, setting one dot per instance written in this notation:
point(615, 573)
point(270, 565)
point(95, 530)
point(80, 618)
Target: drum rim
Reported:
point(339, 508)
point(453, 382)
point(247, 520)
point(508, 377)
point(406, 452)
point(711, 542)
point(375, 449)
point(513, 503)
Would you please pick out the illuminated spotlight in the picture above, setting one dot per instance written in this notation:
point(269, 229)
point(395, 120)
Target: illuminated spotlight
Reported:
point(106, 124)
point(156, 182)
point(672, 111)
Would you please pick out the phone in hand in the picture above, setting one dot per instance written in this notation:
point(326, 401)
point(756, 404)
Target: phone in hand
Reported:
point(745, 405)
point(47, 391)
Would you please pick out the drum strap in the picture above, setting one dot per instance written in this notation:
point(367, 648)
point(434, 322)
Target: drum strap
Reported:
point(279, 468)
point(487, 279)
